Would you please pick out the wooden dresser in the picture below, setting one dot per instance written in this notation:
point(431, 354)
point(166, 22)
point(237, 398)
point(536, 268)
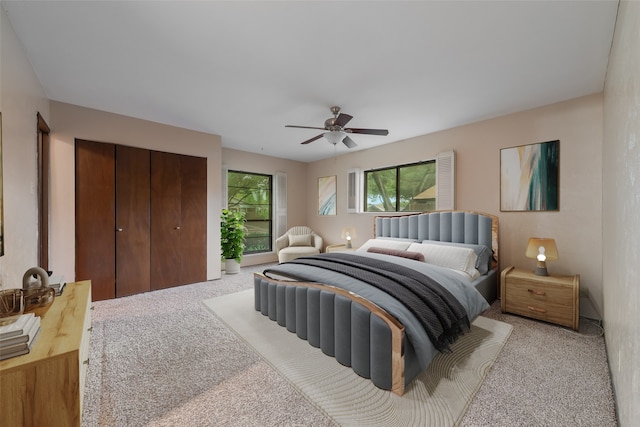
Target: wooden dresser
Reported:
point(552, 298)
point(46, 386)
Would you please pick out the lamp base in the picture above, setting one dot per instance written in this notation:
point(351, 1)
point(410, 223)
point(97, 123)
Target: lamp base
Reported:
point(348, 244)
point(541, 271)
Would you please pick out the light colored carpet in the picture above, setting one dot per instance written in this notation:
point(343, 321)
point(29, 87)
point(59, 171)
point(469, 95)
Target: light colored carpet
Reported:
point(162, 359)
point(438, 397)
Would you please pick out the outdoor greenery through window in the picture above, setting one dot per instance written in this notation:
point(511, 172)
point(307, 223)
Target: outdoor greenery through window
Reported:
point(251, 193)
point(406, 188)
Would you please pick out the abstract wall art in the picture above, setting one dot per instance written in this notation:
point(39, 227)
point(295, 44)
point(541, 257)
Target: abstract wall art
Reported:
point(327, 195)
point(529, 176)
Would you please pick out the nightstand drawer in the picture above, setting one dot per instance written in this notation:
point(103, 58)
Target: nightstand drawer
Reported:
point(550, 298)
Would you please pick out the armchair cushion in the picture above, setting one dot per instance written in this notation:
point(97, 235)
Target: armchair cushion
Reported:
point(300, 240)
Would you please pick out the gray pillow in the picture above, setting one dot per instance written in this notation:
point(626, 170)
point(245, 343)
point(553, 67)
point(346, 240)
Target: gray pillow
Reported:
point(483, 263)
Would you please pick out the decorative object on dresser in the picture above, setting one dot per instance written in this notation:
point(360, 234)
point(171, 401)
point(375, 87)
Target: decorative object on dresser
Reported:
point(17, 338)
point(543, 249)
point(11, 305)
point(553, 298)
point(348, 233)
point(46, 386)
point(37, 294)
point(57, 283)
point(17, 327)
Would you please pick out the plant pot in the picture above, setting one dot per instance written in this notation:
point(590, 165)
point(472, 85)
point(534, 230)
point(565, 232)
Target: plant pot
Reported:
point(231, 266)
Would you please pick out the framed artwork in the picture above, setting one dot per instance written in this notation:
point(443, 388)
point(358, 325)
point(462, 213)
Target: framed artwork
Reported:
point(529, 176)
point(327, 195)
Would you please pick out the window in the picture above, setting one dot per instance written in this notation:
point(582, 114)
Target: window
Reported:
point(406, 188)
point(251, 193)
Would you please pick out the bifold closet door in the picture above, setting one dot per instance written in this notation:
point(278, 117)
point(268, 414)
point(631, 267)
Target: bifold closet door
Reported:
point(178, 220)
point(166, 259)
point(95, 217)
point(193, 201)
point(133, 221)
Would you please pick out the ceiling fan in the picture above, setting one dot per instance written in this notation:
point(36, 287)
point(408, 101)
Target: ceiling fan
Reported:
point(336, 132)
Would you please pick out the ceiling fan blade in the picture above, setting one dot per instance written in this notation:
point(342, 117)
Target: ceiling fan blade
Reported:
point(383, 132)
point(303, 127)
point(312, 139)
point(349, 142)
point(343, 119)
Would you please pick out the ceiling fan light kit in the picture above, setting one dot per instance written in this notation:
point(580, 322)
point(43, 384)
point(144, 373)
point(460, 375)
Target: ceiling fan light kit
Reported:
point(336, 130)
point(334, 136)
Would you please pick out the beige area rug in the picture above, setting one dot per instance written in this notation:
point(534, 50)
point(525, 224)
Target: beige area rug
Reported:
point(438, 397)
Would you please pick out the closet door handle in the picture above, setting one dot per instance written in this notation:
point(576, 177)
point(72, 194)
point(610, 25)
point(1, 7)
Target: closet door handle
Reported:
point(119, 229)
point(177, 228)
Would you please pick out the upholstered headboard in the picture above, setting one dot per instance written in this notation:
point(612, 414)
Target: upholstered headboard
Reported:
point(446, 226)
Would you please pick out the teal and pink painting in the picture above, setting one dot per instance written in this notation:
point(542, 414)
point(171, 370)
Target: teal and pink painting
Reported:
point(529, 177)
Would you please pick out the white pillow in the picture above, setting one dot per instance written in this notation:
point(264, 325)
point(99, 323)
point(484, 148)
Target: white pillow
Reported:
point(398, 245)
point(299, 239)
point(454, 257)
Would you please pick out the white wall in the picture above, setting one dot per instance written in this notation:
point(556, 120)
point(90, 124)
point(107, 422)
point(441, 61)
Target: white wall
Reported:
point(69, 122)
point(21, 98)
point(621, 212)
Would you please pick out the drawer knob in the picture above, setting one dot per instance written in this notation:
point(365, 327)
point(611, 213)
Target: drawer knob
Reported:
point(539, 310)
point(536, 292)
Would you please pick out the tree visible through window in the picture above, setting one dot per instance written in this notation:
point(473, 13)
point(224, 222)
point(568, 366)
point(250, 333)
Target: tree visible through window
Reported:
point(251, 193)
point(406, 188)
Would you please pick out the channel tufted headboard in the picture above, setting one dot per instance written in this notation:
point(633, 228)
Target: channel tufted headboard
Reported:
point(445, 226)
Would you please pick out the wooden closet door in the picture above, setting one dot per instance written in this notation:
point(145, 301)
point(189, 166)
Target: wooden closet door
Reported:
point(165, 220)
point(133, 221)
point(193, 239)
point(95, 217)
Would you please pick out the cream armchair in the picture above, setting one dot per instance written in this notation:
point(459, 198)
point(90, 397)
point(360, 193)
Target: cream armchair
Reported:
point(296, 242)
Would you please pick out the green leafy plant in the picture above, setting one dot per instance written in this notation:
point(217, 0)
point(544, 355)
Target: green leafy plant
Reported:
point(232, 232)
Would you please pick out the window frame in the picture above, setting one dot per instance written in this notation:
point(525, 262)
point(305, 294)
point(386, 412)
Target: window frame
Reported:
point(269, 238)
point(397, 168)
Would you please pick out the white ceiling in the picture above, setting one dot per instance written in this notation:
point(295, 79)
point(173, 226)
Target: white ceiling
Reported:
point(242, 70)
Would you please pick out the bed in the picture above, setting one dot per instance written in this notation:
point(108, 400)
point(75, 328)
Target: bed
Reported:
point(354, 306)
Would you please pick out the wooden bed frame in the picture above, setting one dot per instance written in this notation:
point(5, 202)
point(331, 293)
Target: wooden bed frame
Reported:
point(297, 306)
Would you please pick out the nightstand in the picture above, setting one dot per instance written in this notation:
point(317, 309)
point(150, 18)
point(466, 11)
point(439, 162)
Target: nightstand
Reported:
point(339, 248)
point(553, 298)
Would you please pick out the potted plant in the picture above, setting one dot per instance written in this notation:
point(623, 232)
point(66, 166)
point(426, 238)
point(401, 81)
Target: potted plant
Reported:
point(232, 232)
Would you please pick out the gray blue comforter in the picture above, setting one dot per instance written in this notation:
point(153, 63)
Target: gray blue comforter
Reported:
point(457, 285)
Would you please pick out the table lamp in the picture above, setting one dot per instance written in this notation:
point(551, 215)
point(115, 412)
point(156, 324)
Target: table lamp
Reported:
point(543, 249)
point(348, 233)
